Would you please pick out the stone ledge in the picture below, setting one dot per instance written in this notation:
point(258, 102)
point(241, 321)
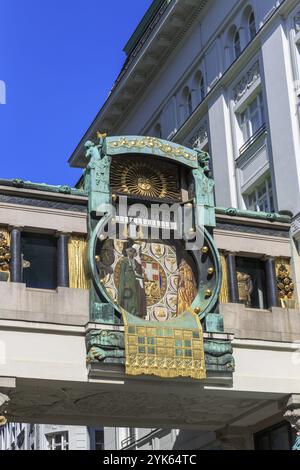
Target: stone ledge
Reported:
point(62, 306)
point(278, 324)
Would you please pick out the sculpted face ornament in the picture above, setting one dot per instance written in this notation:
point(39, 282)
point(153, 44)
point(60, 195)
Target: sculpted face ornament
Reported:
point(144, 184)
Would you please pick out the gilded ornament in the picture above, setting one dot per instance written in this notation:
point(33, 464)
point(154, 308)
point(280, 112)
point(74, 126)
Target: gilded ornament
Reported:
point(143, 179)
point(208, 293)
point(5, 255)
point(285, 283)
point(205, 250)
point(210, 271)
point(197, 310)
point(154, 143)
point(101, 135)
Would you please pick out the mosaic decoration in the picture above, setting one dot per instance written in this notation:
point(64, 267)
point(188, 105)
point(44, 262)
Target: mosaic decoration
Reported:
point(172, 349)
point(151, 280)
point(159, 290)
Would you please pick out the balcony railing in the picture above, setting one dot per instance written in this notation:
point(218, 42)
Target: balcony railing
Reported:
point(253, 138)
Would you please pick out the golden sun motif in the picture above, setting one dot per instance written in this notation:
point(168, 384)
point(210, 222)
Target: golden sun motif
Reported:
point(143, 179)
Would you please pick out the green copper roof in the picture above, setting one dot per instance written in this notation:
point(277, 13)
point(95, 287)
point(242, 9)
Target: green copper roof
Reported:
point(143, 25)
point(63, 189)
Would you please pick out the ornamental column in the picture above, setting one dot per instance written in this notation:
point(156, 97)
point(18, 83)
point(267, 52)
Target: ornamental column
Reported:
point(292, 415)
point(232, 279)
point(271, 282)
point(62, 260)
point(16, 256)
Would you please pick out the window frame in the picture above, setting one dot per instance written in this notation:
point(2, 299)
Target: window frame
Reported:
point(237, 47)
point(258, 200)
point(64, 441)
point(252, 29)
point(247, 127)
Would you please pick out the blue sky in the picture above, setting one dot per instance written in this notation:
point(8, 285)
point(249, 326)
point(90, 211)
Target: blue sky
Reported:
point(59, 59)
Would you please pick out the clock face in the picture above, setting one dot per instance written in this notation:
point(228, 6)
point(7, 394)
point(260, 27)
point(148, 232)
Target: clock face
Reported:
point(155, 280)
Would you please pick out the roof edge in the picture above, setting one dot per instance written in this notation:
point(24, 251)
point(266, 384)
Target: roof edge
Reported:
point(143, 25)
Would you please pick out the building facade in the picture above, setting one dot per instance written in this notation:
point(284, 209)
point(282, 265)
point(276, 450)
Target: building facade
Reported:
point(48, 437)
point(222, 77)
point(205, 74)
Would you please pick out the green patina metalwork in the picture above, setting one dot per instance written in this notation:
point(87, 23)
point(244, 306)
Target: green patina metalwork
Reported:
point(214, 323)
point(96, 178)
point(297, 444)
point(268, 216)
point(19, 183)
point(219, 355)
point(106, 347)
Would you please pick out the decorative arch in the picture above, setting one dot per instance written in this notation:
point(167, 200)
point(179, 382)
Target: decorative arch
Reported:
point(234, 40)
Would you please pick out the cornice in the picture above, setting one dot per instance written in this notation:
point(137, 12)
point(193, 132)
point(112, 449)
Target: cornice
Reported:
point(163, 40)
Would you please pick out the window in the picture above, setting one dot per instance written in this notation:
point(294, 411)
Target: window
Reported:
point(279, 437)
point(187, 103)
point(39, 261)
point(99, 440)
point(251, 282)
point(252, 26)
point(261, 198)
point(253, 118)
point(190, 104)
point(58, 441)
point(237, 45)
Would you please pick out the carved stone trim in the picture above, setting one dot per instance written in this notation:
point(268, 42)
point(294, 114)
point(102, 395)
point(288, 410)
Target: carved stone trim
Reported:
point(246, 82)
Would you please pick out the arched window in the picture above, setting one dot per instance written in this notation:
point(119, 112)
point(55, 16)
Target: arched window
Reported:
point(237, 44)
point(252, 25)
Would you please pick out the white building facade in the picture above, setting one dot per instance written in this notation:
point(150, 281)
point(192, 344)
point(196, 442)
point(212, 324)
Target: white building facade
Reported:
point(223, 77)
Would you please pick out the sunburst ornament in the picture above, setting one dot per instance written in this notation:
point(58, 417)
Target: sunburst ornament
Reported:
point(143, 179)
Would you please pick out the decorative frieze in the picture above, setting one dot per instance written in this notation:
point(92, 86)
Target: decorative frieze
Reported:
point(246, 82)
point(200, 137)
